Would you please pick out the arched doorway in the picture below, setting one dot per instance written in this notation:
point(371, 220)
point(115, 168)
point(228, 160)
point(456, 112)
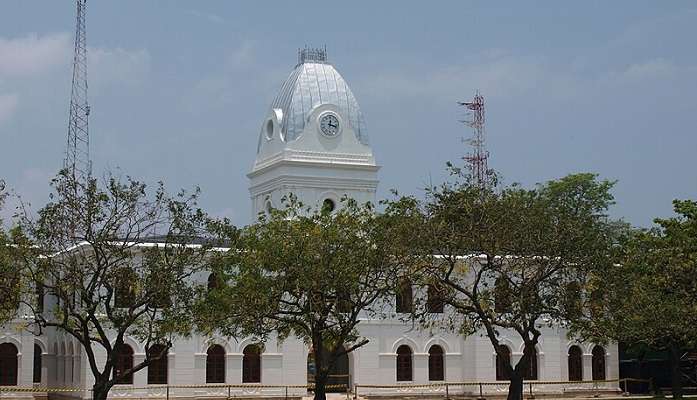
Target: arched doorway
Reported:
point(339, 375)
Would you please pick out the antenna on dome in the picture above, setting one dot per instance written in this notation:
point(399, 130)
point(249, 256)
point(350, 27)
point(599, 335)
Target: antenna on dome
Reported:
point(312, 54)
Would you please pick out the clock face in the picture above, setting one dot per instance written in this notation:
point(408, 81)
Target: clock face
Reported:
point(329, 125)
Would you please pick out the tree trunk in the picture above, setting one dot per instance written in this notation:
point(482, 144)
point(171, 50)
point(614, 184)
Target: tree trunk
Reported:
point(320, 386)
point(321, 375)
point(515, 388)
point(675, 375)
point(100, 391)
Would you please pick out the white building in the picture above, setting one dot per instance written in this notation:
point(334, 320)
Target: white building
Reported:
point(313, 143)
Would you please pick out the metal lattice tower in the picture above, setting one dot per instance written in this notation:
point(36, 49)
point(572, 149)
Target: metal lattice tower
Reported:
point(477, 158)
point(77, 158)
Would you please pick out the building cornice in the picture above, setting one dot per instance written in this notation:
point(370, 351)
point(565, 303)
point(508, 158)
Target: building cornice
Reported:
point(315, 158)
point(318, 182)
point(315, 163)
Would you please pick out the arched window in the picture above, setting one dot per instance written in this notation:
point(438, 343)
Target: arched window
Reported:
point(215, 364)
point(502, 296)
point(503, 362)
point(404, 297)
point(531, 373)
point(37, 364)
point(213, 281)
point(404, 363)
point(436, 370)
point(434, 302)
point(8, 364)
point(598, 363)
point(157, 370)
point(575, 364)
point(251, 364)
point(123, 363)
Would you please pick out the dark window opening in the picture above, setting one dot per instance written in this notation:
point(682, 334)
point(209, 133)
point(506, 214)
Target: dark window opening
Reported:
point(215, 364)
point(575, 364)
point(598, 363)
point(531, 372)
point(157, 370)
point(436, 363)
point(8, 364)
point(251, 364)
point(124, 291)
point(502, 296)
point(404, 364)
point(405, 297)
point(37, 364)
point(213, 281)
point(503, 363)
point(123, 363)
point(435, 302)
point(328, 205)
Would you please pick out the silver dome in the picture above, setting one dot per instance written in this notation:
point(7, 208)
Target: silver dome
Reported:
point(314, 82)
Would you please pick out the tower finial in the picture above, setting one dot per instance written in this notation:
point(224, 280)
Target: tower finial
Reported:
point(312, 54)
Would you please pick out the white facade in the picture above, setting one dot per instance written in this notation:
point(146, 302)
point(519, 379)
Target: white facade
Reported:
point(296, 155)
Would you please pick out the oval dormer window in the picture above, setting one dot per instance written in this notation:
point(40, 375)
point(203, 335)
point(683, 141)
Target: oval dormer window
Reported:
point(269, 129)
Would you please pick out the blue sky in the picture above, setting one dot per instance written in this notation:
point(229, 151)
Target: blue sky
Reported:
point(178, 90)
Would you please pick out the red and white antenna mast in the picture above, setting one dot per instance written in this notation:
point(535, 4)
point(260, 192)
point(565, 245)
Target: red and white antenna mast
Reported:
point(478, 157)
point(77, 157)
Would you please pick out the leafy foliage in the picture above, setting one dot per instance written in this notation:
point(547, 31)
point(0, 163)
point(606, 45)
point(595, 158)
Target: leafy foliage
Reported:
point(650, 292)
point(9, 274)
point(310, 274)
point(114, 261)
point(507, 258)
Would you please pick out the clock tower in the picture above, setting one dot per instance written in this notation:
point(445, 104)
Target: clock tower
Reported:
point(313, 142)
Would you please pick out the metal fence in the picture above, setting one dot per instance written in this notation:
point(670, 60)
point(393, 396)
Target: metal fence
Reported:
point(445, 390)
point(482, 389)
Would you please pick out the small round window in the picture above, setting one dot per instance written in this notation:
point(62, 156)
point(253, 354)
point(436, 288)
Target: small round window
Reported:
point(328, 205)
point(269, 129)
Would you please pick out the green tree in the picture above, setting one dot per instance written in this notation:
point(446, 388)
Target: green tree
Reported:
point(9, 275)
point(650, 292)
point(310, 274)
point(114, 261)
point(506, 258)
